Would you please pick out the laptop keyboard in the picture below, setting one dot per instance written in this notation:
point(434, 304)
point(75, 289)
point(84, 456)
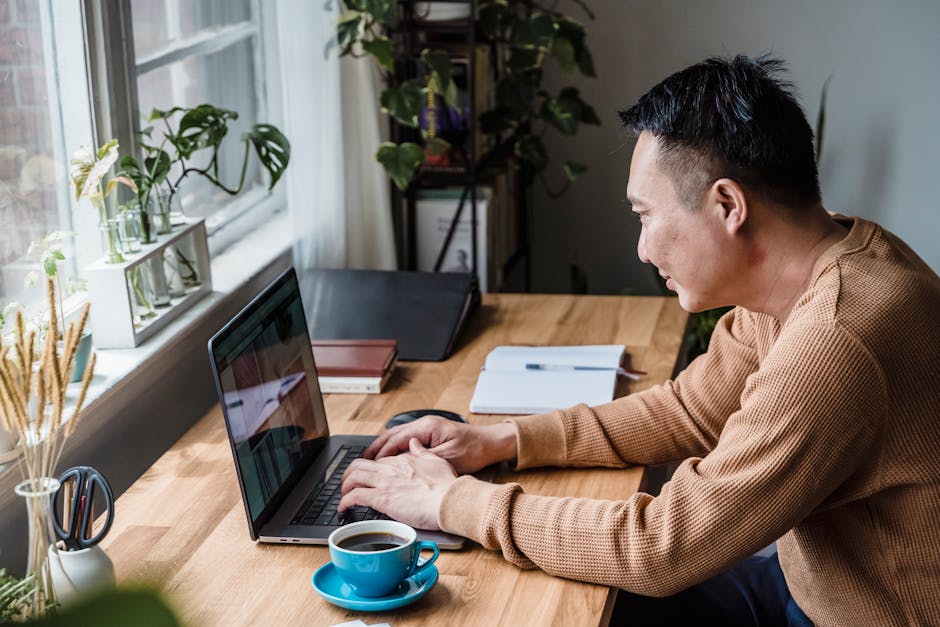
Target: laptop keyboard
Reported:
point(320, 507)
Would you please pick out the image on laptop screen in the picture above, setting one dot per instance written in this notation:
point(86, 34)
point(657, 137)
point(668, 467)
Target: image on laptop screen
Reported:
point(270, 394)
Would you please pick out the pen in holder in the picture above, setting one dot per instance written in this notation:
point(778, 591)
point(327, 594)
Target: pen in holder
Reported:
point(76, 563)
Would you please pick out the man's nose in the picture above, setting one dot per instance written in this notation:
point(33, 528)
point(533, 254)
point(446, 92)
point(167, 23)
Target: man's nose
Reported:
point(641, 246)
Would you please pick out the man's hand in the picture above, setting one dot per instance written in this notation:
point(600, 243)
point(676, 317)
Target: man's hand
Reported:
point(408, 488)
point(467, 447)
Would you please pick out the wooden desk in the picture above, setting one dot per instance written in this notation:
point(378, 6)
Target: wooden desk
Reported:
point(182, 525)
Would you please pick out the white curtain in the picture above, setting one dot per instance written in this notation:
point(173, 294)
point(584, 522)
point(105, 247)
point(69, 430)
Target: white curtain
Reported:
point(337, 194)
point(370, 240)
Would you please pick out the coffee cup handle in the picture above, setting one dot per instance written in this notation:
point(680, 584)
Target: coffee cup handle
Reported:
point(421, 546)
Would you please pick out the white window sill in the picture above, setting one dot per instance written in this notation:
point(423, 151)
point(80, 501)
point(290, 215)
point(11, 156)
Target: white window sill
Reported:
point(230, 270)
point(120, 371)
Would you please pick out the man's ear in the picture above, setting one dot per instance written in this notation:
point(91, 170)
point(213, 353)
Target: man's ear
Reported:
point(727, 199)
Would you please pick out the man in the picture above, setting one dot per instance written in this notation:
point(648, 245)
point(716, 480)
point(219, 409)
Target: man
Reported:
point(811, 420)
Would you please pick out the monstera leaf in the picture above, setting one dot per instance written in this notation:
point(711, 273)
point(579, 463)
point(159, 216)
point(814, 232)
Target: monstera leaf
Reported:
point(272, 148)
point(203, 126)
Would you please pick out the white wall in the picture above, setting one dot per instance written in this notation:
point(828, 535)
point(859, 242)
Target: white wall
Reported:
point(882, 146)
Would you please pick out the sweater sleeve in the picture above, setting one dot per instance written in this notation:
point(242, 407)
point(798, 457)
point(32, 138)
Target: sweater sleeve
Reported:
point(801, 431)
point(672, 421)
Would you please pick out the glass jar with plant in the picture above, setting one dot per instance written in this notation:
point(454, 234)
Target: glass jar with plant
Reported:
point(33, 399)
point(87, 170)
point(185, 133)
point(525, 32)
point(49, 251)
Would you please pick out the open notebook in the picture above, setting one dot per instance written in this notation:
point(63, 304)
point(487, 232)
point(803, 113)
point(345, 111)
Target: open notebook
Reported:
point(538, 379)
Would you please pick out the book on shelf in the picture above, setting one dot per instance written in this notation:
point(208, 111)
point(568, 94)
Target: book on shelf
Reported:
point(539, 379)
point(435, 209)
point(354, 366)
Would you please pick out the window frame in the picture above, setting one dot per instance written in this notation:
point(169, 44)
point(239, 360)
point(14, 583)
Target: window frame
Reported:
point(113, 73)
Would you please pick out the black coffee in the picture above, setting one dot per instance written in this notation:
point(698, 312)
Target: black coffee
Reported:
point(371, 542)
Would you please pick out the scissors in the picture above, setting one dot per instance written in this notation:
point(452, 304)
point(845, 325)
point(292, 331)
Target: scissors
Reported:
point(74, 524)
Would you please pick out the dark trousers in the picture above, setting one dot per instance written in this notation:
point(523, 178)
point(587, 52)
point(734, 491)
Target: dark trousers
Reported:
point(751, 593)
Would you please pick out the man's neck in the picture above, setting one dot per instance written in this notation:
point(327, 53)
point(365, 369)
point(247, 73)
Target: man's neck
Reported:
point(788, 251)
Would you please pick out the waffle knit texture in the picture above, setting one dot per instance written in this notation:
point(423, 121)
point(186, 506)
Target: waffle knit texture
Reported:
point(822, 432)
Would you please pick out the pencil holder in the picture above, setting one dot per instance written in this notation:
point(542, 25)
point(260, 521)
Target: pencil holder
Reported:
point(76, 573)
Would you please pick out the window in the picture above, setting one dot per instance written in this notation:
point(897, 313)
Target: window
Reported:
point(37, 76)
point(189, 52)
point(184, 52)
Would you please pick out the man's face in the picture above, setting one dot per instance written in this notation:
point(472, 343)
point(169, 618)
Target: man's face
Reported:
point(688, 246)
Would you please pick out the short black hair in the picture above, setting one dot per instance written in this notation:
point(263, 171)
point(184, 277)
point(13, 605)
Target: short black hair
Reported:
point(731, 118)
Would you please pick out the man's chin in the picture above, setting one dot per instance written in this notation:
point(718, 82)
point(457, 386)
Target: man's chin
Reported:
point(692, 304)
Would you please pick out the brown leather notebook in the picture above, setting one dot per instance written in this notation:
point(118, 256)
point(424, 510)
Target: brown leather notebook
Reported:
point(354, 358)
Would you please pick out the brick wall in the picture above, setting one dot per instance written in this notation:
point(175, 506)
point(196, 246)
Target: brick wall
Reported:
point(28, 174)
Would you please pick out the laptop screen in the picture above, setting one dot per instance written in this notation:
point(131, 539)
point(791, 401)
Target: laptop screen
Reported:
point(268, 388)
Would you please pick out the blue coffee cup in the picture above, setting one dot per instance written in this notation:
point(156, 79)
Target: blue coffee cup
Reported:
point(375, 556)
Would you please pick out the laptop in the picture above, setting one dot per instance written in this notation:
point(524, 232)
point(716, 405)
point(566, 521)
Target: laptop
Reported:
point(289, 467)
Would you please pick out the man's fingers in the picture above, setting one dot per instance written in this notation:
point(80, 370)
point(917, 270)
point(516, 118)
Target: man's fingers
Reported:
point(397, 443)
point(361, 472)
point(359, 496)
point(378, 443)
point(414, 445)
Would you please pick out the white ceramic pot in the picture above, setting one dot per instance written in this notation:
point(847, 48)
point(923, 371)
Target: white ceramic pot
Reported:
point(76, 573)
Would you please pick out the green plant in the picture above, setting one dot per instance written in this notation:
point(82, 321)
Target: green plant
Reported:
point(87, 170)
point(6, 314)
point(49, 250)
point(15, 595)
point(183, 133)
point(527, 31)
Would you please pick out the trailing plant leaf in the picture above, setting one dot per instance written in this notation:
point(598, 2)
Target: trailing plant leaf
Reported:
point(535, 32)
point(523, 59)
point(572, 169)
point(516, 93)
point(436, 146)
point(498, 120)
point(401, 162)
point(350, 29)
point(522, 31)
point(272, 148)
point(442, 82)
point(405, 102)
point(573, 32)
point(563, 52)
point(532, 150)
point(563, 112)
point(490, 16)
point(381, 49)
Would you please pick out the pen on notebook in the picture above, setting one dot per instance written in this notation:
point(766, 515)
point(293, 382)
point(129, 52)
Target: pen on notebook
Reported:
point(629, 373)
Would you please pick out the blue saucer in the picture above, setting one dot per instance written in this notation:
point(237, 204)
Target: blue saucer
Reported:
point(329, 585)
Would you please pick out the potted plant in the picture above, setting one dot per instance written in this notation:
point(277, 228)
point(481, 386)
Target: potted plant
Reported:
point(49, 252)
point(528, 32)
point(33, 398)
point(184, 133)
point(87, 171)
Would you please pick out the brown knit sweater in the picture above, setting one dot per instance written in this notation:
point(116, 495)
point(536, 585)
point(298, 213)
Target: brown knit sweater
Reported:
point(823, 432)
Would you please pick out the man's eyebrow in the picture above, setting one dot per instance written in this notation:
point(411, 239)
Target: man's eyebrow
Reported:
point(633, 201)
